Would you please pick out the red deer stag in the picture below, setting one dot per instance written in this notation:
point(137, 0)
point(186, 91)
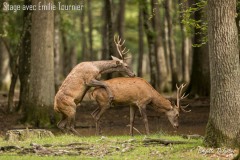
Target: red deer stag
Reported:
point(136, 92)
point(80, 79)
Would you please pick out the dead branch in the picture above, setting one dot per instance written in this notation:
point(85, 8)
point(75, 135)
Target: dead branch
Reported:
point(149, 141)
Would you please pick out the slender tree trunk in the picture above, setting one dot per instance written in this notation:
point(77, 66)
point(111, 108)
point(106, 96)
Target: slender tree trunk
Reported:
point(171, 43)
point(185, 44)
point(89, 4)
point(150, 38)
point(224, 120)
point(83, 37)
point(40, 107)
point(25, 61)
point(5, 76)
point(200, 75)
point(166, 51)
point(121, 18)
point(5, 71)
point(104, 35)
point(159, 50)
point(140, 42)
point(109, 27)
point(57, 51)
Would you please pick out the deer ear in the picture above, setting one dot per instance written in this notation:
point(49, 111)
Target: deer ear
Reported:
point(115, 58)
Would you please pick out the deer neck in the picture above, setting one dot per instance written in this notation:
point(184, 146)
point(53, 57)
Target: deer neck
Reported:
point(160, 103)
point(105, 65)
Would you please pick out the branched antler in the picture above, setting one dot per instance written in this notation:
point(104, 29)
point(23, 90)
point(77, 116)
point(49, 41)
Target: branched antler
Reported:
point(119, 43)
point(181, 96)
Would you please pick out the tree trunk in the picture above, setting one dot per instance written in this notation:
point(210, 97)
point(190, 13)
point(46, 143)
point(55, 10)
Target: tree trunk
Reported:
point(57, 51)
point(25, 61)
point(89, 4)
point(140, 42)
point(83, 37)
point(200, 75)
point(109, 27)
point(151, 49)
point(224, 120)
point(159, 51)
point(5, 76)
point(185, 44)
point(166, 50)
point(171, 43)
point(121, 18)
point(104, 35)
point(40, 108)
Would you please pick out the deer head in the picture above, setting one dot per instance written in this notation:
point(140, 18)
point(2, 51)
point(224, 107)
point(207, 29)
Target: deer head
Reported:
point(122, 52)
point(173, 113)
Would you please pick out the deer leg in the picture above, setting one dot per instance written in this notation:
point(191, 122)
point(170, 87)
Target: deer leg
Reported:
point(145, 119)
point(132, 116)
point(94, 83)
point(95, 112)
point(70, 112)
point(97, 118)
point(72, 129)
point(62, 123)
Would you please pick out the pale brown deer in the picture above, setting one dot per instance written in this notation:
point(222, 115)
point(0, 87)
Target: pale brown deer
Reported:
point(137, 93)
point(80, 79)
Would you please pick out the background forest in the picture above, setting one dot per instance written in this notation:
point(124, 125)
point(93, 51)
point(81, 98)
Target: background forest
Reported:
point(168, 42)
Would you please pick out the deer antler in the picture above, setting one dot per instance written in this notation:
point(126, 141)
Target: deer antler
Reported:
point(180, 97)
point(119, 43)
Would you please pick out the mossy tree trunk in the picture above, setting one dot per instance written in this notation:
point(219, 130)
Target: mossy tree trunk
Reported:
point(224, 120)
point(41, 86)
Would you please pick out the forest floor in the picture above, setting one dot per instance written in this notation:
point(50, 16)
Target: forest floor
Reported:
point(115, 120)
point(114, 142)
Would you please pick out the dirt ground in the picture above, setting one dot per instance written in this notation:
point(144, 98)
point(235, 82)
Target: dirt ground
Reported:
point(116, 119)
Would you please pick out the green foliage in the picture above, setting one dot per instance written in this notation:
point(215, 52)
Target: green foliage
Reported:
point(11, 27)
point(193, 25)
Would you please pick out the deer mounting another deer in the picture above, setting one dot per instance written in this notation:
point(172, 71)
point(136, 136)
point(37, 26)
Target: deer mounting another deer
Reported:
point(80, 79)
point(137, 93)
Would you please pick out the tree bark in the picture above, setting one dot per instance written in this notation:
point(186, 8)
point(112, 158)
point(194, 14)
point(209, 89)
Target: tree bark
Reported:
point(185, 44)
point(121, 18)
point(140, 42)
point(171, 43)
point(83, 37)
point(151, 49)
point(224, 120)
point(166, 50)
point(25, 61)
point(40, 107)
point(109, 27)
point(4, 67)
point(159, 51)
point(57, 51)
point(5, 75)
point(200, 75)
point(89, 4)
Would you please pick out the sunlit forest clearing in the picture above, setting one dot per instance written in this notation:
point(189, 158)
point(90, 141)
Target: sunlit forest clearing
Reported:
point(119, 79)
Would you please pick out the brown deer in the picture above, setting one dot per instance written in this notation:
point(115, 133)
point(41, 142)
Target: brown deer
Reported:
point(137, 93)
point(80, 79)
